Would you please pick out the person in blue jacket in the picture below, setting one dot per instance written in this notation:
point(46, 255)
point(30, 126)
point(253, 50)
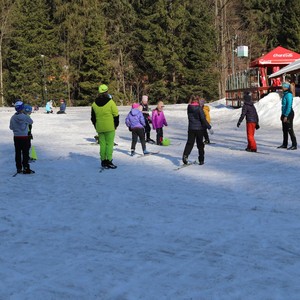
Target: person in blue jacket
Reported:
point(62, 107)
point(287, 117)
point(196, 124)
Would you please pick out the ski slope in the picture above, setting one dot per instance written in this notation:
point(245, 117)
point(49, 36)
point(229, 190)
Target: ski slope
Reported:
point(226, 230)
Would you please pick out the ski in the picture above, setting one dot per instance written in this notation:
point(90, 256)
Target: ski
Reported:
point(148, 154)
point(186, 165)
point(243, 150)
point(15, 174)
point(258, 143)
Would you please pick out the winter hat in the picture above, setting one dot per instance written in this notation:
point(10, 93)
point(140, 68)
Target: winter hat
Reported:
point(135, 105)
point(286, 85)
point(144, 98)
point(19, 105)
point(103, 88)
point(27, 108)
point(202, 101)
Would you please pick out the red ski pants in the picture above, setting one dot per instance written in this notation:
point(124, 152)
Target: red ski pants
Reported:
point(250, 136)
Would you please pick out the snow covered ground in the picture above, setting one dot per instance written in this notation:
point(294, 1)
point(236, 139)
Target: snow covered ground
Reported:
point(226, 230)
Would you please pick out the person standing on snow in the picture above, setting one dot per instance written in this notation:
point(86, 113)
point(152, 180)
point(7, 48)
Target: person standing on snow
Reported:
point(206, 110)
point(145, 111)
point(19, 124)
point(287, 117)
point(28, 111)
point(158, 122)
point(197, 123)
point(105, 118)
point(249, 111)
point(135, 121)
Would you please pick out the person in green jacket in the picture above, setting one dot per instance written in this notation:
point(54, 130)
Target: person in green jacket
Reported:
point(105, 118)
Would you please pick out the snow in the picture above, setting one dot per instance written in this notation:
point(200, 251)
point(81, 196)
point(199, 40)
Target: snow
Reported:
point(226, 230)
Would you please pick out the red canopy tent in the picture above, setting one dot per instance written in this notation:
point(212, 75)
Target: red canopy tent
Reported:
point(257, 82)
point(277, 57)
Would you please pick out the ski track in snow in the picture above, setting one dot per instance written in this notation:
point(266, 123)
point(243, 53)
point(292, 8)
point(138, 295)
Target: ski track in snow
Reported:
point(226, 230)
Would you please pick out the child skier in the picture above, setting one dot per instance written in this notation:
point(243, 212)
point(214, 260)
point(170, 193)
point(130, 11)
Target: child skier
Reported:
point(159, 121)
point(145, 111)
point(206, 111)
point(249, 111)
point(49, 107)
point(63, 106)
point(135, 121)
point(19, 123)
point(28, 111)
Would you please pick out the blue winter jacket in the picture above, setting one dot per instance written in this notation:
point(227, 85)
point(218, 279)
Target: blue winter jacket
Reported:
point(196, 116)
point(135, 119)
point(286, 103)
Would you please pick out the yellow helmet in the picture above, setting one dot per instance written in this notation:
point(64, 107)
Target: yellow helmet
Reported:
point(103, 88)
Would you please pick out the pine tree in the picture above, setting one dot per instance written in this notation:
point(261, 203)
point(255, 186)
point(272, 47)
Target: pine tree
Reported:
point(33, 36)
point(288, 33)
point(6, 9)
point(174, 52)
point(95, 67)
point(120, 22)
point(84, 49)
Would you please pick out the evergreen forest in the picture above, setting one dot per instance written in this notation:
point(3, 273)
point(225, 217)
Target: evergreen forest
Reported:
point(167, 49)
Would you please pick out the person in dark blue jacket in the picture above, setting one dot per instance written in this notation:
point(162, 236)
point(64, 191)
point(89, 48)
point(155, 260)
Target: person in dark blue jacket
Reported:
point(197, 123)
point(249, 111)
point(63, 106)
point(287, 117)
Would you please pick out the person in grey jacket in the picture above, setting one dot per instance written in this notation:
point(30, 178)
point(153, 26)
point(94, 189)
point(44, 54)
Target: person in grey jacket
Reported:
point(19, 124)
point(249, 111)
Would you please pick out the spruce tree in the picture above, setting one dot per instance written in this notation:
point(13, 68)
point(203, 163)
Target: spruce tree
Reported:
point(289, 30)
point(177, 45)
point(82, 35)
point(33, 36)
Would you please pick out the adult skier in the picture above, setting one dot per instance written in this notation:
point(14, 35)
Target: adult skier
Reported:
point(105, 118)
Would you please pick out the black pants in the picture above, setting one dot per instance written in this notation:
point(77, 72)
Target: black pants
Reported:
point(138, 132)
point(159, 136)
point(22, 145)
point(287, 128)
point(205, 135)
point(147, 128)
point(192, 136)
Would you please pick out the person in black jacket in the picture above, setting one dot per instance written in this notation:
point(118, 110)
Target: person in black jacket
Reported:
point(249, 111)
point(197, 123)
point(145, 111)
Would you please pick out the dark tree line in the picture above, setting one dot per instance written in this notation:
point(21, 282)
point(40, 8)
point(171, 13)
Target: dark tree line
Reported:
point(168, 49)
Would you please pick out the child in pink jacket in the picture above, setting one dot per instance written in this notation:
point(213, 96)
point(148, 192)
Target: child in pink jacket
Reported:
point(159, 121)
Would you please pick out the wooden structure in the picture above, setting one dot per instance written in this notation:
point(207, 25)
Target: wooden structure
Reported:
point(255, 78)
